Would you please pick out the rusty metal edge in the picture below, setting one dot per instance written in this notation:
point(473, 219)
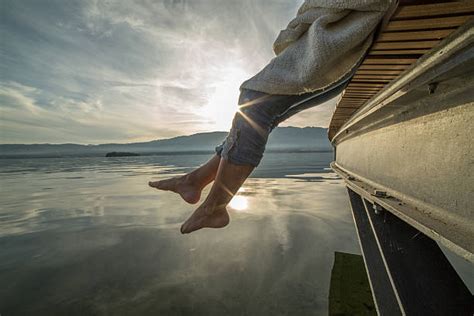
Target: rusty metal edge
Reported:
point(399, 207)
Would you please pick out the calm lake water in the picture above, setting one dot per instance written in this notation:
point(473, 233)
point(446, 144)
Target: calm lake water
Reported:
point(87, 236)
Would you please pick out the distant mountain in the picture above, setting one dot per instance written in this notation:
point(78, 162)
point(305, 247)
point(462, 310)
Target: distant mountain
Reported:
point(282, 139)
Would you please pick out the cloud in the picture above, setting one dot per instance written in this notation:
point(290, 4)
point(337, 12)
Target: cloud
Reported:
point(114, 71)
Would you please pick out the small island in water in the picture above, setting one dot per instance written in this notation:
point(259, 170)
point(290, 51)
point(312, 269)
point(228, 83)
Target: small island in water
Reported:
point(120, 154)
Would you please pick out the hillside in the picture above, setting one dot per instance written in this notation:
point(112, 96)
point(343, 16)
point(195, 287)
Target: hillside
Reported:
point(282, 139)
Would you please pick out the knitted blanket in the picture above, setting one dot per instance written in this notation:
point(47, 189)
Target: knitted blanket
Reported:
point(323, 43)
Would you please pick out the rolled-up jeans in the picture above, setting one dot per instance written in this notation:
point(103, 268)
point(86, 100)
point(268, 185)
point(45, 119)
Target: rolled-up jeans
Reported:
point(258, 114)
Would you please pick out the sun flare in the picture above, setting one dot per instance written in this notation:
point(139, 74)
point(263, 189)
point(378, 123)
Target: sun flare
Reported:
point(239, 203)
point(222, 104)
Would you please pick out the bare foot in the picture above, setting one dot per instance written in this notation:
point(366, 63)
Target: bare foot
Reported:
point(181, 185)
point(205, 217)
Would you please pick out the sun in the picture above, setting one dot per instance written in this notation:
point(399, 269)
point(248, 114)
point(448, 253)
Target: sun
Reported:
point(222, 103)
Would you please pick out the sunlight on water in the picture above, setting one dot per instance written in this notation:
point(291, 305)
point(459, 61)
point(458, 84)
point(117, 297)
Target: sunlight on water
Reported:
point(239, 203)
point(97, 239)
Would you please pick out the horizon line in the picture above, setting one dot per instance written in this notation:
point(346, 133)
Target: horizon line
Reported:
point(144, 141)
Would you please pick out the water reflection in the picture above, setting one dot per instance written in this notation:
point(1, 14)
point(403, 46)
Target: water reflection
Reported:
point(239, 203)
point(95, 238)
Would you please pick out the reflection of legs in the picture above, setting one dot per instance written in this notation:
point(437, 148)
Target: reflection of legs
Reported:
point(190, 185)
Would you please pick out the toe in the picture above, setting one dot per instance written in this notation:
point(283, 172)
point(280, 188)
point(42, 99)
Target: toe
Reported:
point(191, 225)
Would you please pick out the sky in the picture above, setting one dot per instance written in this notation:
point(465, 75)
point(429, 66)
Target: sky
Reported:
point(90, 71)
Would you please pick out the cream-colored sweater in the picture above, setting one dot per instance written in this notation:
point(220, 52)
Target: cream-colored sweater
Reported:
point(323, 43)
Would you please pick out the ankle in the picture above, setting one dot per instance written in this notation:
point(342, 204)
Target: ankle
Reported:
point(187, 179)
point(213, 207)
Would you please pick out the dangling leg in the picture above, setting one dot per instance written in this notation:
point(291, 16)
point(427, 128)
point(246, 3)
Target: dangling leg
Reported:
point(190, 185)
point(242, 152)
point(212, 212)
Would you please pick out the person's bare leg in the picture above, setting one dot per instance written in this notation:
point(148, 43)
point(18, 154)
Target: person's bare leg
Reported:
point(190, 185)
point(212, 212)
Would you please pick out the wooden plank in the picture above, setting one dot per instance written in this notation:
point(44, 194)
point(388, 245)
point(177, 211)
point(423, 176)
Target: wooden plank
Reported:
point(351, 92)
point(356, 87)
point(364, 88)
point(353, 100)
point(348, 107)
point(351, 97)
point(375, 76)
point(405, 45)
point(388, 61)
point(340, 121)
point(366, 85)
point(363, 92)
point(345, 110)
point(337, 115)
point(351, 103)
point(360, 95)
point(343, 116)
point(369, 91)
point(399, 52)
point(371, 80)
point(438, 9)
point(383, 67)
point(415, 35)
point(363, 96)
point(423, 24)
point(378, 72)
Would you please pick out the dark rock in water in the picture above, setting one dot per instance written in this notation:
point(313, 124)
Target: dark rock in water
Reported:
point(120, 154)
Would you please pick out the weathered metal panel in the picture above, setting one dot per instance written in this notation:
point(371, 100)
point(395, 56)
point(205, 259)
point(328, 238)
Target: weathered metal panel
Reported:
point(418, 146)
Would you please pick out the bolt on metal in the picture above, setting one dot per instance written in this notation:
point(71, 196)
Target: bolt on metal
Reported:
point(380, 193)
point(377, 209)
point(432, 87)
